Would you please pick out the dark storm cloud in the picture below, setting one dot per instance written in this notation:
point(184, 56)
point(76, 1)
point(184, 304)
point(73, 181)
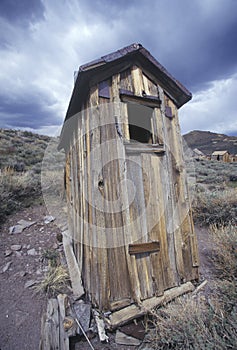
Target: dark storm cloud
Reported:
point(21, 11)
point(195, 40)
point(43, 42)
point(27, 112)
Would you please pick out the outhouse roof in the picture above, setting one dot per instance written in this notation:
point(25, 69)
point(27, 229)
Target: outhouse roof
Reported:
point(109, 64)
point(219, 153)
point(105, 66)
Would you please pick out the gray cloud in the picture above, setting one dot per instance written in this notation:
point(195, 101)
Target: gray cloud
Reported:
point(42, 43)
point(21, 12)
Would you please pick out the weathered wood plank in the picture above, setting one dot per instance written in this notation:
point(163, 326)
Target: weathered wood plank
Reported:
point(127, 233)
point(141, 248)
point(137, 81)
point(143, 148)
point(131, 312)
point(150, 87)
point(63, 337)
point(74, 272)
point(50, 327)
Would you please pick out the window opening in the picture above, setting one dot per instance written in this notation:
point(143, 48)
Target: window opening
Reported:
point(140, 123)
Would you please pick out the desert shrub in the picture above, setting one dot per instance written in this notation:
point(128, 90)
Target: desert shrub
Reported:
point(17, 191)
point(224, 252)
point(207, 321)
point(52, 256)
point(190, 323)
point(217, 207)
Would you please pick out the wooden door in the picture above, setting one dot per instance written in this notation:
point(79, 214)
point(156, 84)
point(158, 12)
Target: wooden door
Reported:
point(149, 242)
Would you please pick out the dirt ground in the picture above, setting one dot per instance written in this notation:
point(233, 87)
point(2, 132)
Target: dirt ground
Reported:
point(21, 308)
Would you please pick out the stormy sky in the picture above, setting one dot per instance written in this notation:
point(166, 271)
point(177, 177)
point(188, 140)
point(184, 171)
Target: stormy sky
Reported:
point(43, 42)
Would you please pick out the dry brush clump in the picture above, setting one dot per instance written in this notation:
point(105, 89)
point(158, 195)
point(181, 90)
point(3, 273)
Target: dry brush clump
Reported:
point(224, 251)
point(17, 190)
point(55, 282)
point(208, 320)
point(57, 278)
point(215, 207)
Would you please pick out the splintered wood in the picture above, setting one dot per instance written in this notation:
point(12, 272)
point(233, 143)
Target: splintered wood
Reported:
point(127, 314)
point(53, 336)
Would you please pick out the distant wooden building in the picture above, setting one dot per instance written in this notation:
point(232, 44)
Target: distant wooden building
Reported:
point(222, 156)
point(198, 154)
point(128, 204)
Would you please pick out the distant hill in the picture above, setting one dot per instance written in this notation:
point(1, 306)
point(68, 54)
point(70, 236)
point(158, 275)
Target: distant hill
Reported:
point(21, 149)
point(208, 142)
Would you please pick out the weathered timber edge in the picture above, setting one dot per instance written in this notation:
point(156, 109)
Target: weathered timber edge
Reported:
point(131, 312)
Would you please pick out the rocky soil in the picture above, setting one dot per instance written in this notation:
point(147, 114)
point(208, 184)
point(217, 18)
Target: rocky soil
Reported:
point(22, 267)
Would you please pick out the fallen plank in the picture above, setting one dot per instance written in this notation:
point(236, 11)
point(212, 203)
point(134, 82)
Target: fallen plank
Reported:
point(131, 312)
point(74, 271)
point(50, 327)
point(63, 337)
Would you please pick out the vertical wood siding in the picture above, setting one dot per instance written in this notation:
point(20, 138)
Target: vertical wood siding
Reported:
point(159, 211)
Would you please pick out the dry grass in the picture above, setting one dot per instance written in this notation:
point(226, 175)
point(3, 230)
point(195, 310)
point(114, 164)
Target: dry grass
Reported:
point(55, 282)
point(17, 191)
point(207, 321)
point(216, 207)
point(224, 253)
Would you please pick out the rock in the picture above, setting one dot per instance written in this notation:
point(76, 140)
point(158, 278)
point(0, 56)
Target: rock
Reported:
point(25, 223)
point(15, 229)
point(48, 219)
point(8, 252)
point(123, 339)
point(28, 247)
point(32, 252)
point(18, 254)
point(83, 313)
point(55, 246)
point(6, 267)
point(16, 247)
point(135, 330)
point(22, 273)
point(30, 283)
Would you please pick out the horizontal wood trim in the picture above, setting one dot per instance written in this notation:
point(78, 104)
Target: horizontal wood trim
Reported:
point(147, 100)
point(120, 304)
point(140, 248)
point(136, 147)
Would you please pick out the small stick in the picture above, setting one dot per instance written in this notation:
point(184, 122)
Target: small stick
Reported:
point(81, 328)
point(201, 286)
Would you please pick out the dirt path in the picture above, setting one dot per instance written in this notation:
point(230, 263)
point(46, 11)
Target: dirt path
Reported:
point(21, 309)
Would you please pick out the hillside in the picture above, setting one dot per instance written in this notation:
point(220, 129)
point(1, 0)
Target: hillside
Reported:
point(208, 142)
point(22, 150)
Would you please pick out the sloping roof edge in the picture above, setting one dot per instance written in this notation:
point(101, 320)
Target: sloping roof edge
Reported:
point(219, 153)
point(118, 61)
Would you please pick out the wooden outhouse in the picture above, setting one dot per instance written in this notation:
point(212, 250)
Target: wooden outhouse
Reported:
point(222, 156)
point(128, 204)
